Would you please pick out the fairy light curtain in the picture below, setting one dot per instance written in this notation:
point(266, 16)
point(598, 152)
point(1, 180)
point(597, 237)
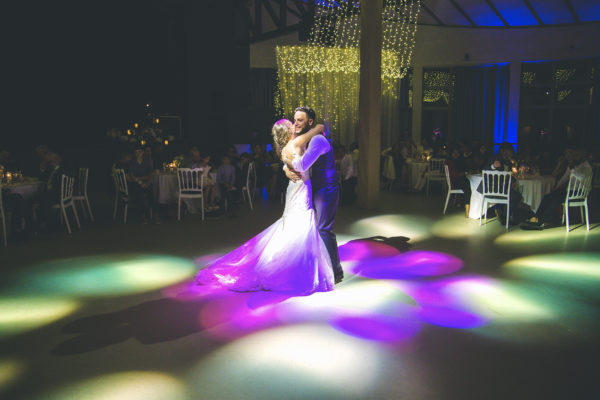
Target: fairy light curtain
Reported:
point(325, 73)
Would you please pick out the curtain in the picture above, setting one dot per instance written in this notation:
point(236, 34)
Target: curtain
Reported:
point(479, 112)
point(263, 86)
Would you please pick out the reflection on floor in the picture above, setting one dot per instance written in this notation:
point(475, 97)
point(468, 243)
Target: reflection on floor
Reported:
point(432, 307)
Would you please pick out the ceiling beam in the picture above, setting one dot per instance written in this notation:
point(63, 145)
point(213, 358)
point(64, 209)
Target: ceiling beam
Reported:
point(288, 8)
point(493, 7)
point(464, 14)
point(533, 12)
point(428, 11)
point(300, 7)
point(272, 14)
point(572, 10)
point(283, 12)
point(257, 17)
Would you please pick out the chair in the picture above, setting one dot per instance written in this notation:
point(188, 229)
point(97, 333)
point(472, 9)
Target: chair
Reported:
point(82, 195)
point(450, 190)
point(250, 187)
point(121, 192)
point(66, 200)
point(3, 217)
point(496, 190)
point(389, 172)
point(191, 186)
point(577, 194)
point(435, 172)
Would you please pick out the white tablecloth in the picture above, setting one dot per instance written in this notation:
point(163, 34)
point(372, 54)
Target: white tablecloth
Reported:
point(26, 189)
point(533, 189)
point(168, 187)
point(415, 170)
point(476, 197)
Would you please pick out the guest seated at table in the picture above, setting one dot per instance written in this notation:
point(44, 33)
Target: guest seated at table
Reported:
point(209, 183)
point(457, 168)
point(546, 215)
point(36, 166)
point(193, 159)
point(505, 161)
point(140, 176)
point(480, 158)
point(226, 180)
point(399, 153)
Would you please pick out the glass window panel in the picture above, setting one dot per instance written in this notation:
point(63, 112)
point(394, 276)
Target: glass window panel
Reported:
point(570, 95)
point(536, 96)
point(542, 71)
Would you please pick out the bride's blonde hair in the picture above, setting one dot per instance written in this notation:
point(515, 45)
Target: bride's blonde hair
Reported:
point(281, 133)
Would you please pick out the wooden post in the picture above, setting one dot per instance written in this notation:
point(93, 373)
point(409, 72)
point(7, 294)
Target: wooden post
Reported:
point(417, 103)
point(369, 103)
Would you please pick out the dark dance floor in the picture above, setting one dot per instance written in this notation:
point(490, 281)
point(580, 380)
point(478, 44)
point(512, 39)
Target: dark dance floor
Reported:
point(432, 307)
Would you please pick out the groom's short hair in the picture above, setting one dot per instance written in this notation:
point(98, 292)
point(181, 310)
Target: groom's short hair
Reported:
point(310, 113)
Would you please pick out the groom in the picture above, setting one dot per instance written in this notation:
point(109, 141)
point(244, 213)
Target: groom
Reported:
point(325, 191)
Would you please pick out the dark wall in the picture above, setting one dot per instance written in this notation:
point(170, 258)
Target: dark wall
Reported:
point(217, 90)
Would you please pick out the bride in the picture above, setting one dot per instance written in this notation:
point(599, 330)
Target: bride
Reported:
point(289, 256)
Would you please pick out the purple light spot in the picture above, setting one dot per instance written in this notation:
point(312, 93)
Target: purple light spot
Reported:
point(358, 250)
point(413, 264)
point(261, 299)
point(229, 316)
point(451, 317)
point(378, 327)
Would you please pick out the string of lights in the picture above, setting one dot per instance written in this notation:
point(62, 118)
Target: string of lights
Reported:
point(325, 73)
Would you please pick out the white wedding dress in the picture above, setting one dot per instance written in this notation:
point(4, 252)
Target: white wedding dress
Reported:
point(289, 256)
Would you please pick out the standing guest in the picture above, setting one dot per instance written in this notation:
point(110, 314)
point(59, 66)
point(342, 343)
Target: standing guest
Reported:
point(140, 176)
point(226, 179)
point(349, 179)
point(546, 215)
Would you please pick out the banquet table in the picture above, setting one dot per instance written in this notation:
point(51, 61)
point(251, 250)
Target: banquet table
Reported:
point(168, 187)
point(415, 170)
point(28, 188)
point(532, 188)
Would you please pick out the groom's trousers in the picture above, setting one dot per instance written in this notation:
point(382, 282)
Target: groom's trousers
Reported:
point(325, 202)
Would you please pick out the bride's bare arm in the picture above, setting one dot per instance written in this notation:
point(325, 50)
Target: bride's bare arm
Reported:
point(302, 140)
